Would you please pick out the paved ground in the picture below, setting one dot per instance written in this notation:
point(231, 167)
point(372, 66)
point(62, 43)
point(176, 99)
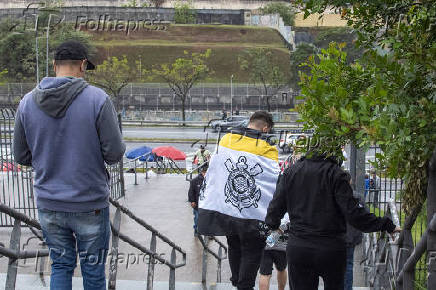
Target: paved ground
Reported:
point(162, 202)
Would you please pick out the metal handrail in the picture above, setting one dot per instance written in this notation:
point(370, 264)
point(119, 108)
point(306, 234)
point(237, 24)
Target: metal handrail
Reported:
point(149, 251)
point(396, 258)
point(218, 256)
point(381, 253)
point(145, 168)
point(173, 165)
point(13, 253)
point(417, 253)
point(190, 172)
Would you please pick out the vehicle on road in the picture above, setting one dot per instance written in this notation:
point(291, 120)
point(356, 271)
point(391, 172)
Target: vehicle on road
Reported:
point(288, 141)
point(229, 122)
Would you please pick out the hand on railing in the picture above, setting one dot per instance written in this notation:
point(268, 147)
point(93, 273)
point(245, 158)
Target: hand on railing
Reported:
point(395, 234)
point(396, 220)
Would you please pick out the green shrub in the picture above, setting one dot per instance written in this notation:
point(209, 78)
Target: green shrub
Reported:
point(184, 13)
point(285, 11)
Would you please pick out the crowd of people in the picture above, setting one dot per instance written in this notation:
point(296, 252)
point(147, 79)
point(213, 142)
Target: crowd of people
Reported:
point(240, 192)
point(243, 188)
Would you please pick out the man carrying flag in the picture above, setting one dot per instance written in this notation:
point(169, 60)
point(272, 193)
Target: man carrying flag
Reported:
point(238, 187)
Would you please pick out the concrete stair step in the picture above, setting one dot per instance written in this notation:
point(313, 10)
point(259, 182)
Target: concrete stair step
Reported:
point(228, 286)
point(33, 282)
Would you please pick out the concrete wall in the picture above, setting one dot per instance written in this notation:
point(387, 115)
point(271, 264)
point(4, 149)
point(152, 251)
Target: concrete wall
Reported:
point(272, 21)
point(200, 116)
point(84, 13)
point(328, 20)
point(143, 96)
point(198, 4)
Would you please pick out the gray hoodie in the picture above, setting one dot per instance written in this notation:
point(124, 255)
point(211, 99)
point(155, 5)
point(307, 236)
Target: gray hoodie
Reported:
point(66, 130)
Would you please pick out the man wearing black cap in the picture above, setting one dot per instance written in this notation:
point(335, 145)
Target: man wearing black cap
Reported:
point(201, 156)
point(67, 130)
point(194, 192)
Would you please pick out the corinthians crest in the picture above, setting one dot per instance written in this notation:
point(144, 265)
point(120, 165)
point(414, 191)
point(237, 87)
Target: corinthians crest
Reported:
point(241, 190)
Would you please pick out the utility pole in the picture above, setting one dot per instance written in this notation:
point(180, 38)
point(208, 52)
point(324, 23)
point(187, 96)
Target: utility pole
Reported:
point(231, 95)
point(47, 37)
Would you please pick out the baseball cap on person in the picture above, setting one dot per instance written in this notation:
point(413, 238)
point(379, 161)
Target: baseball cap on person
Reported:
point(73, 50)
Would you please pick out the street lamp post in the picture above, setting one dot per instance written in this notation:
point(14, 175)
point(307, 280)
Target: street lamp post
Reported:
point(231, 95)
point(36, 49)
point(47, 37)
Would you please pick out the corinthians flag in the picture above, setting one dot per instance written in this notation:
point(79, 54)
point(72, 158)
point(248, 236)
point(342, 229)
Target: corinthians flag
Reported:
point(238, 185)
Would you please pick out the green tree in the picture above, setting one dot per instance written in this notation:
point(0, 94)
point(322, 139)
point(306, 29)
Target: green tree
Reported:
point(17, 45)
point(183, 73)
point(17, 53)
point(157, 3)
point(184, 13)
point(285, 11)
point(131, 4)
point(299, 56)
point(3, 76)
point(113, 75)
point(389, 99)
point(262, 71)
point(340, 35)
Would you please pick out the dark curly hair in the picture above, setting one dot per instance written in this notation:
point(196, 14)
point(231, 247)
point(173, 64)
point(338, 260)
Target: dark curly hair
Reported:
point(262, 116)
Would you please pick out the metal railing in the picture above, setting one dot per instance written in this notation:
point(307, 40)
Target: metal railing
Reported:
point(135, 163)
point(219, 256)
point(151, 251)
point(16, 181)
point(408, 262)
point(380, 250)
point(14, 252)
point(194, 170)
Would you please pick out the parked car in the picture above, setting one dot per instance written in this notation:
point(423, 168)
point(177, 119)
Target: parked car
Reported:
point(288, 141)
point(229, 122)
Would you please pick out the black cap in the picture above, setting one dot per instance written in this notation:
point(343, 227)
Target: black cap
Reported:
point(73, 50)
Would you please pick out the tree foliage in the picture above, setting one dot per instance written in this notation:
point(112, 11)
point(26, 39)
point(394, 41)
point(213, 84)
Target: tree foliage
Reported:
point(3, 76)
point(389, 97)
point(184, 13)
point(113, 75)
point(299, 56)
point(183, 73)
point(285, 11)
point(260, 65)
point(18, 45)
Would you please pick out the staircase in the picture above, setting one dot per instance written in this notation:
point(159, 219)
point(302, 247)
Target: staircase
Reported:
point(33, 282)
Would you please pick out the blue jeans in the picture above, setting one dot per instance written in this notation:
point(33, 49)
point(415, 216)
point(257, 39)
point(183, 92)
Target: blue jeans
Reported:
point(68, 234)
point(195, 212)
point(348, 285)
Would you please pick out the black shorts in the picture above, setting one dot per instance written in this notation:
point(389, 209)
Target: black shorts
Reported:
point(270, 257)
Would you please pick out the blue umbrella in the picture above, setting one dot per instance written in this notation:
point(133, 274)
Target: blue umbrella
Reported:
point(140, 151)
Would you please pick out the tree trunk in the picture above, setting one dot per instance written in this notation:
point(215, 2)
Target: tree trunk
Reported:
point(116, 102)
point(183, 111)
point(268, 105)
point(431, 210)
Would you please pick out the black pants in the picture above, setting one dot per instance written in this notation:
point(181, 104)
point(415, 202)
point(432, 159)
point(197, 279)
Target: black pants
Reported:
point(306, 265)
point(245, 252)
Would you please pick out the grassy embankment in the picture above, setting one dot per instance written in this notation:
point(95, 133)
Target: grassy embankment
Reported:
point(227, 42)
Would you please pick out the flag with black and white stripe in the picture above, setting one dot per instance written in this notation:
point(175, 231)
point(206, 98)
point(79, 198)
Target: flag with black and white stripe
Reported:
point(238, 185)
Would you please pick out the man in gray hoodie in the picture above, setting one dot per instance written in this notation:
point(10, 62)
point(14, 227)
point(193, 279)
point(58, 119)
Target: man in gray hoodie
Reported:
point(66, 130)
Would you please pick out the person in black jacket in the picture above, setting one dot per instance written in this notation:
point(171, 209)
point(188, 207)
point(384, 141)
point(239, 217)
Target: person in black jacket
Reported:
point(319, 199)
point(194, 193)
point(353, 237)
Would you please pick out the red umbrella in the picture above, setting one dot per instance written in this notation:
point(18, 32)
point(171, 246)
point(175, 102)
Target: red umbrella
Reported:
point(169, 152)
point(7, 166)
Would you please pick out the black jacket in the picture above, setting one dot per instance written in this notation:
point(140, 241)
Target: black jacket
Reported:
point(319, 199)
point(194, 189)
